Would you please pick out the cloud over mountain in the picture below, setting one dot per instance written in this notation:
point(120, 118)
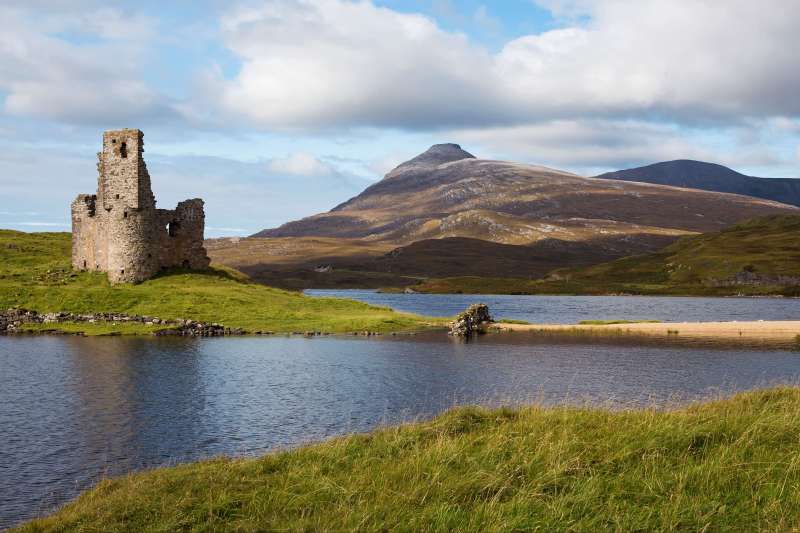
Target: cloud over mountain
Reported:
point(326, 63)
point(285, 87)
point(314, 65)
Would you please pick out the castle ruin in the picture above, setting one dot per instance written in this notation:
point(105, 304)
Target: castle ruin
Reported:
point(120, 231)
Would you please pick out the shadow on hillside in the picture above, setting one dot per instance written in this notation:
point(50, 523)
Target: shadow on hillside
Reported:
point(209, 273)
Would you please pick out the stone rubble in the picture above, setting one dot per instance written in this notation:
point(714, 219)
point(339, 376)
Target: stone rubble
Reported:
point(473, 320)
point(12, 320)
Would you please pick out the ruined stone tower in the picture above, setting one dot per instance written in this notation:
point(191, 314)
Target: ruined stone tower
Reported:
point(120, 231)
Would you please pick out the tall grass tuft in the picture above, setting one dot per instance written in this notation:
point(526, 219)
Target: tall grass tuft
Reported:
point(726, 465)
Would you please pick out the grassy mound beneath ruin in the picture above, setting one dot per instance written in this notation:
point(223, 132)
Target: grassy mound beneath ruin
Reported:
point(730, 465)
point(35, 274)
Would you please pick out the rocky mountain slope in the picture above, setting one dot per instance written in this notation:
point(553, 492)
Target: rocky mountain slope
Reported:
point(447, 192)
point(711, 177)
point(447, 213)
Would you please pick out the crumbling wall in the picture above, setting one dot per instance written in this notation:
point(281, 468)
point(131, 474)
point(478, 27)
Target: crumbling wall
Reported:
point(85, 236)
point(182, 238)
point(120, 231)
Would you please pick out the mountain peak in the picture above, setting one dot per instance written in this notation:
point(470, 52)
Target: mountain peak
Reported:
point(447, 150)
point(436, 155)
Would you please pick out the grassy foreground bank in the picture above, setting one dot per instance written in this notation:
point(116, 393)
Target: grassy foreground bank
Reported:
point(729, 465)
point(35, 274)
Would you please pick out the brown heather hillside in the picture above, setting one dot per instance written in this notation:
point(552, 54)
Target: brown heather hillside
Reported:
point(756, 257)
point(498, 218)
point(291, 262)
point(448, 193)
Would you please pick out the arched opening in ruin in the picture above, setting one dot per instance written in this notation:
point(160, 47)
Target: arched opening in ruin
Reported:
point(84, 264)
point(125, 214)
point(123, 149)
point(185, 263)
point(172, 228)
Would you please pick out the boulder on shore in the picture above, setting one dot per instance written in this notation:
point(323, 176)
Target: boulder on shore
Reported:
point(473, 320)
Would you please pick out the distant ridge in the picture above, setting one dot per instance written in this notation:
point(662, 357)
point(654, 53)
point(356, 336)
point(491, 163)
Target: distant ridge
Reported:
point(446, 192)
point(711, 177)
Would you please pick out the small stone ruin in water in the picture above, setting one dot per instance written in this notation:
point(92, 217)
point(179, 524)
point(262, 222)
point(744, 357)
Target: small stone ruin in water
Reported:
point(474, 320)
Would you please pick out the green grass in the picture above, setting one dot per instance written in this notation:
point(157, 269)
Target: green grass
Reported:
point(512, 321)
point(611, 322)
point(768, 246)
point(35, 274)
point(729, 465)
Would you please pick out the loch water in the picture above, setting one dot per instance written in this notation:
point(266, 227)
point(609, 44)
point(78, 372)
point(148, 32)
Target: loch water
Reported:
point(573, 309)
point(74, 410)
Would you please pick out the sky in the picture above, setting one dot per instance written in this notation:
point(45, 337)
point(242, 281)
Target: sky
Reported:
point(271, 110)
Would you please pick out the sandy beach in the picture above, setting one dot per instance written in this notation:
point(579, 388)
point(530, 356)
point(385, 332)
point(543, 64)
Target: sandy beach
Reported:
point(783, 332)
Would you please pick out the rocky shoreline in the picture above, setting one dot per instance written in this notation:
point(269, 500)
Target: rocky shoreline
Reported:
point(12, 321)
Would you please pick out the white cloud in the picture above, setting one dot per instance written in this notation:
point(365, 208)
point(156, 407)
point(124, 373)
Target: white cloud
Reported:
point(329, 63)
point(594, 146)
point(319, 64)
point(620, 83)
point(332, 63)
point(299, 164)
point(681, 57)
point(585, 145)
point(47, 75)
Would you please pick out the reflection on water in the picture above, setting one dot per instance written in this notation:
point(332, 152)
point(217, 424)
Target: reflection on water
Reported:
point(75, 409)
point(573, 309)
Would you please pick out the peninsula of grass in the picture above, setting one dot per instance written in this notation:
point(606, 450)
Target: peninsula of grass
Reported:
point(727, 465)
point(35, 274)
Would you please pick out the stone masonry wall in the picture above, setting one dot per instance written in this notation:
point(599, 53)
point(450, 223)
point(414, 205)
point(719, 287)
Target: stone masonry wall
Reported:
point(120, 231)
point(85, 252)
point(182, 242)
